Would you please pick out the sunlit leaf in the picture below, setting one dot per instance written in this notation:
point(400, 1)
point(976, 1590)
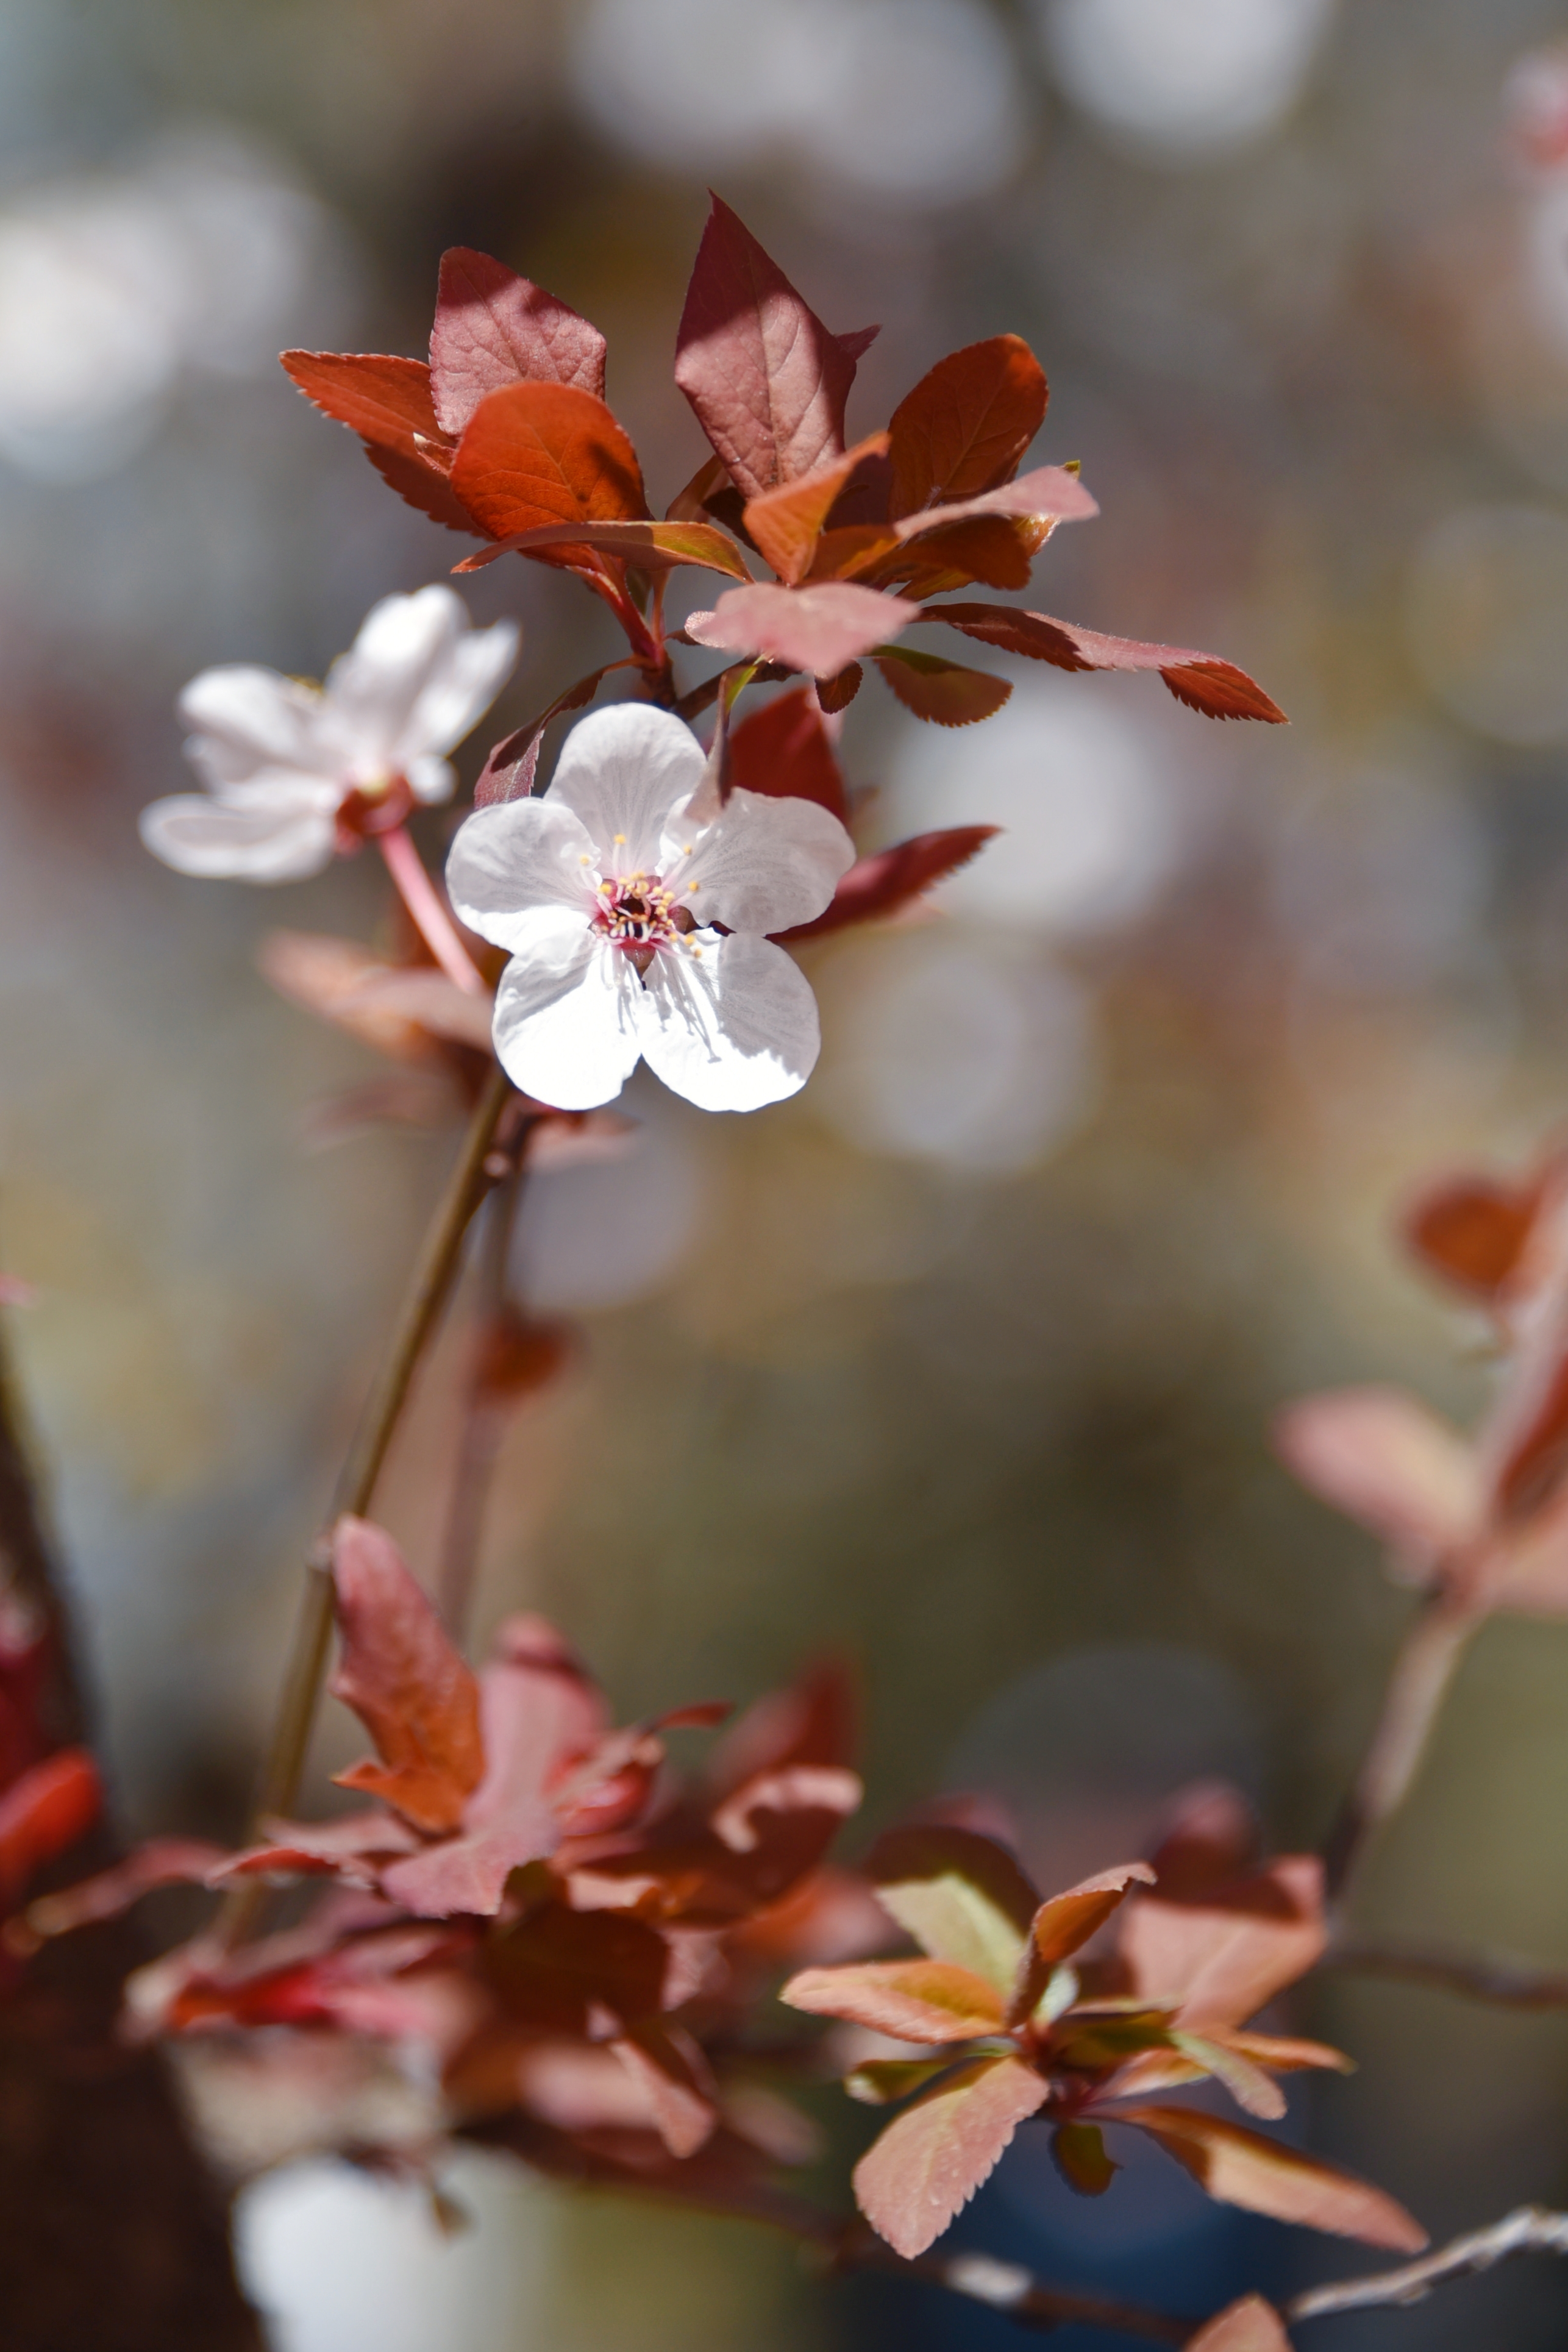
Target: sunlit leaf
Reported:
point(966, 425)
point(534, 454)
point(882, 2082)
point(962, 1896)
point(493, 328)
point(387, 402)
point(44, 1813)
point(819, 628)
point(651, 546)
point(400, 1674)
point(1250, 2326)
point(930, 2161)
point(941, 691)
point(1223, 1958)
point(780, 749)
point(1216, 688)
point(785, 523)
point(1242, 2168)
point(912, 2001)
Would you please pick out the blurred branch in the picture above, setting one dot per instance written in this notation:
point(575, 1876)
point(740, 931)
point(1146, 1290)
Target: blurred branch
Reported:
point(1478, 1976)
point(1418, 1682)
point(1529, 2231)
point(1014, 2292)
point(483, 1421)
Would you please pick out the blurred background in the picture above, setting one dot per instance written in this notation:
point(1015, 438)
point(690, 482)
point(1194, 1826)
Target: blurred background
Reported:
point(961, 1362)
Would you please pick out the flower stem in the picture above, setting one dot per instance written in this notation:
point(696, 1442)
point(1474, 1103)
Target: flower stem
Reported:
point(428, 1290)
point(478, 1441)
point(1419, 1683)
point(423, 901)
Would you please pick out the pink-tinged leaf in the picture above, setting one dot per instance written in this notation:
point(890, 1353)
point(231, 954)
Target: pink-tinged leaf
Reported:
point(766, 379)
point(782, 749)
point(814, 1720)
point(1224, 1958)
point(792, 1789)
point(820, 628)
point(1242, 2168)
point(1201, 681)
point(651, 546)
point(534, 454)
point(44, 1813)
point(965, 427)
point(1250, 2326)
point(1381, 1458)
point(162, 1862)
point(670, 2070)
point(353, 1848)
point(1081, 2158)
point(1529, 1566)
point(329, 976)
point(493, 328)
point(1526, 1447)
point(537, 1707)
point(930, 2161)
point(427, 999)
point(943, 692)
point(1051, 493)
point(1208, 1839)
point(509, 773)
point(785, 523)
point(1065, 1922)
point(962, 1896)
point(891, 879)
point(401, 1676)
point(387, 402)
point(912, 2001)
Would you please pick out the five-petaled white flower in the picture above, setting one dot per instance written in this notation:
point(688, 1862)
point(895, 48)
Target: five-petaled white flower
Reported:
point(290, 767)
point(607, 894)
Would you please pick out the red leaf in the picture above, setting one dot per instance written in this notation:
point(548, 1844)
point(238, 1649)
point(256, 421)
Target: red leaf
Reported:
point(553, 1967)
point(410, 1689)
point(913, 2000)
point(1250, 2326)
point(1473, 1229)
point(387, 402)
point(966, 425)
point(941, 691)
point(930, 2161)
point(1216, 688)
point(1208, 1838)
point(881, 885)
point(766, 379)
point(782, 749)
point(669, 2068)
point(1242, 2168)
point(44, 1813)
point(1066, 1921)
point(1225, 1958)
point(837, 693)
point(651, 546)
point(1381, 1457)
point(493, 328)
point(820, 628)
point(162, 1862)
point(536, 454)
point(785, 523)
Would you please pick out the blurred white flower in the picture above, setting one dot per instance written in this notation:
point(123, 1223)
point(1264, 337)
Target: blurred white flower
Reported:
point(280, 758)
point(915, 100)
point(591, 889)
point(1187, 80)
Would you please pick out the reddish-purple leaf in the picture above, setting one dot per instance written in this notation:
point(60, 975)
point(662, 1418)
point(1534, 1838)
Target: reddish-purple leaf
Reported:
point(966, 425)
point(930, 2161)
point(1066, 1921)
point(913, 2000)
point(785, 523)
point(882, 885)
point(1242, 2168)
point(387, 402)
point(651, 546)
point(1383, 1458)
point(493, 328)
point(766, 379)
point(1224, 1957)
point(536, 454)
point(403, 1678)
point(563, 1969)
point(819, 628)
point(1250, 2326)
point(780, 749)
point(1216, 688)
point(943, 692)
point(44, 1813)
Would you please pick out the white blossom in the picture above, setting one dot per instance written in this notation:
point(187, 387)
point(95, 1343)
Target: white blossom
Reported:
point(607, 894)
point(281, 758)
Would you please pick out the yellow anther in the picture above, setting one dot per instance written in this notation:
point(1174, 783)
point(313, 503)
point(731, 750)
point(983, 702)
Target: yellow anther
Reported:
point(620, 841)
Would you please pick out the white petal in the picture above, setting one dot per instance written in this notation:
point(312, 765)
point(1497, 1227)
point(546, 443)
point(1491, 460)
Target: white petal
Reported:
point(244, 719)
point(405, 643)
point(462, 683)
point(430, 779)
point(762, 865)
point(566, 1021)
point(732, 1029)
point(198, 835)
point(621, 770)
point(509, 863)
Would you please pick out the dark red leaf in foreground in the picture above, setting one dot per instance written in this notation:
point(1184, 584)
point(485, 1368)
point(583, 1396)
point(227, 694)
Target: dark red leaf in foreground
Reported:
point(766, 379)
point(943, 692)
point(881, 885)
point(930, 2161)
point(819, 628)
point(405, 1681)
point(534, 454)
point(44, 1813)
point(1216, 688)
point(1473, 1229)
point(387, 402)
point(1242, 2168)
point(782, 749)
point(493, 328)
point(966, 425)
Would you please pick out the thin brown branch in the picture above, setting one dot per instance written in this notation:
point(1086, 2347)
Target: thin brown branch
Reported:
point(1419, 1683)
point(1008, 2288)
point(1478, 1976)
point(482, 1423)
point(427, 1291)
point(1529, 2231)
